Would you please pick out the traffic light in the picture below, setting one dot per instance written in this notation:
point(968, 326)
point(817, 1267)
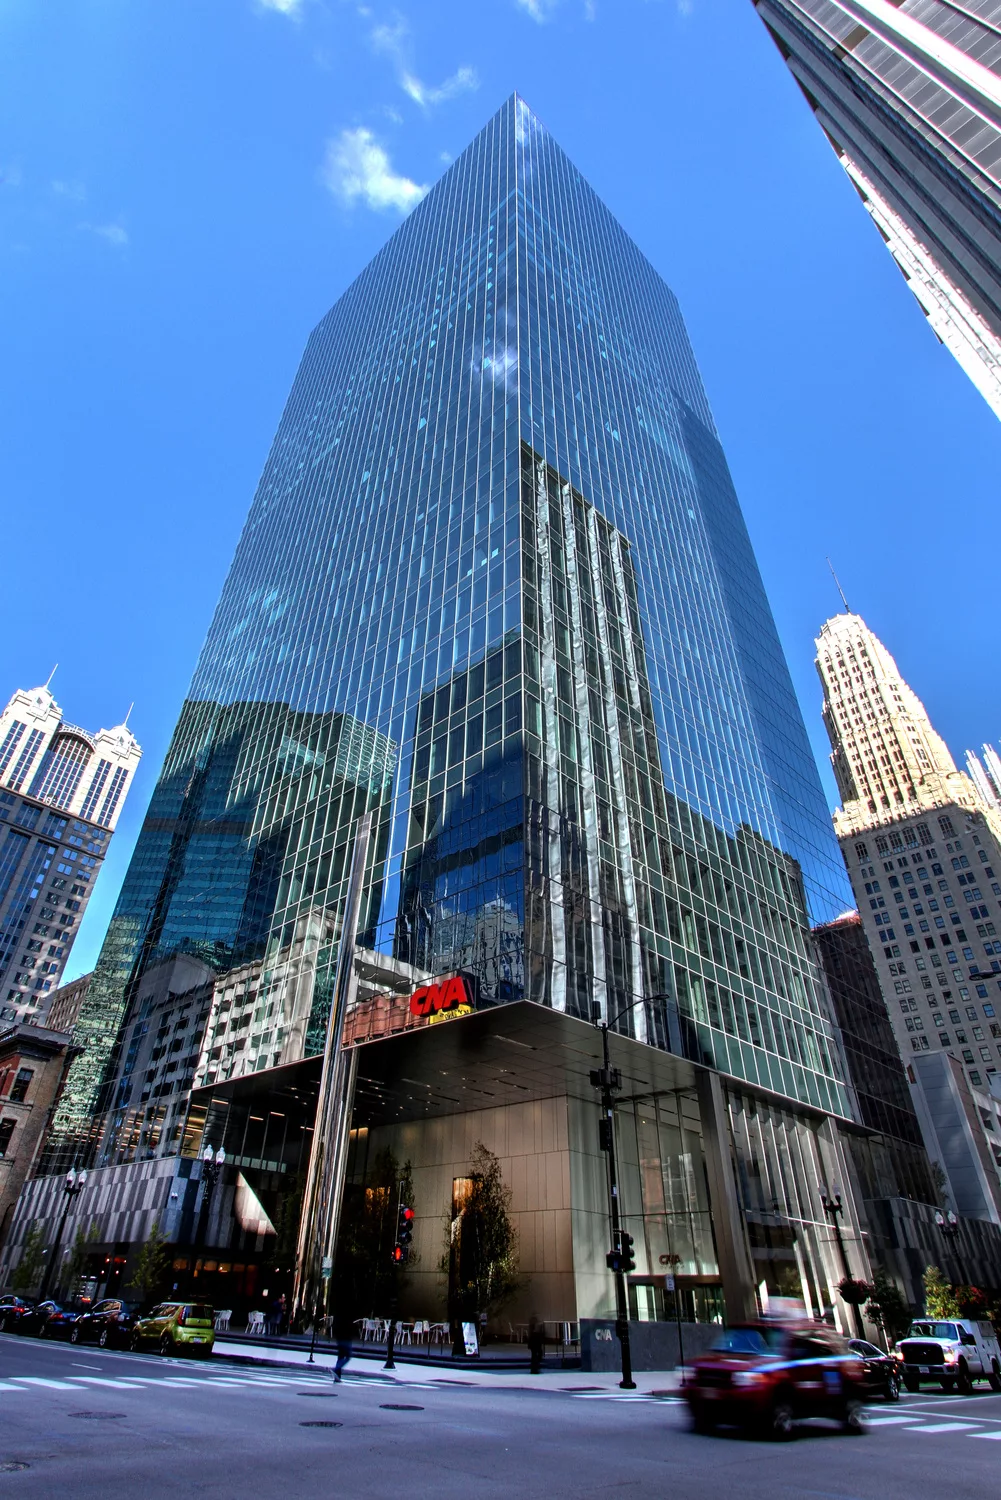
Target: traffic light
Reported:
point(622, 1258)
point(404, 1234)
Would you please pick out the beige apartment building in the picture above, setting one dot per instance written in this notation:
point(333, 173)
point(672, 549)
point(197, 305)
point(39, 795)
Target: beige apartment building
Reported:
point(923, 851)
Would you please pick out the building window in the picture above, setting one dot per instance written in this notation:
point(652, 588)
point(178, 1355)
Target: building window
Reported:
point(945, 823)
point(862, 851)
point(6, 1131)
point(19, 1092)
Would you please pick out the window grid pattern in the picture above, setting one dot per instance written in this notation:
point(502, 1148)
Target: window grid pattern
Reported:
point(11, 740)
point(61, 770)
point(95, 789)
point(380, 639)
point(23, 763)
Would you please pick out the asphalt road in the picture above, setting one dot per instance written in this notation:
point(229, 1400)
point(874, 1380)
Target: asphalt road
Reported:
point(85, 1422)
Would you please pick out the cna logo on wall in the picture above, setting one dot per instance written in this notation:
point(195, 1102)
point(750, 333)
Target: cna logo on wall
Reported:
point(442, 1001)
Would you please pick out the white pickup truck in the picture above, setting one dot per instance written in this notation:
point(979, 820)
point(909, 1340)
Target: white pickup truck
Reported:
point(954, 1352)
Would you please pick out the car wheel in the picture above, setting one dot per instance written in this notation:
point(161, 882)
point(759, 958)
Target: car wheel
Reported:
point(779, 1425)
point(699, 1420)
point(166, 1346)
point(75, 1336)
point(853, 1418)
point(912, 1385)
point(103, 1340)
point(948, 1386)
point(892, 1389)
point(963, 1380)
point(134, 1343)
point(994, 1378)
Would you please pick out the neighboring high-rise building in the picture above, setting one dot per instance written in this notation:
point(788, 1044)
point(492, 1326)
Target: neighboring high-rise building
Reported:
point(986, 775)
point(65, 1003)
point(909, 96)
point(495, 586)
point(923, 852)
point(61, 794)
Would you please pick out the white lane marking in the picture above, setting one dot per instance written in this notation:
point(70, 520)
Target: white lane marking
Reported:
point(120, 1385)
point(875, 1421)
point(992, 1437)
point(172, 1380)
point(945, 1427)
point(56, 1385)
point(5, 1387)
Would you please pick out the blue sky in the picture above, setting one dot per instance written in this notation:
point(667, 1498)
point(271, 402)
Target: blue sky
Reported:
point(187, 185)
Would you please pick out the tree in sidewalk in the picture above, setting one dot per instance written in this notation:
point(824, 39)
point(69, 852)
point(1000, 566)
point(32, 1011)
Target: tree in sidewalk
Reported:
point(940, 1298)
point(27, 1274)
point(481, 1243)
point(366, 1277)
point(150, 1264)
point(888, 1309)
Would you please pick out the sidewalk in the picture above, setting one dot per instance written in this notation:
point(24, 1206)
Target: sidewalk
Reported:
point(412, 1369)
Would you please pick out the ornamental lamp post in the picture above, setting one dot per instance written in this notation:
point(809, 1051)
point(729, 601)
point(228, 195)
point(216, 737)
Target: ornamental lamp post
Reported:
point(834, 1208)
point(948, 1224)
point(212, 1165)
point(73, 1185)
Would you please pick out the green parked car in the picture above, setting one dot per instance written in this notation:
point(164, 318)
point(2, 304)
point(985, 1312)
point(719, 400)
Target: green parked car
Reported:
point(177, 1328)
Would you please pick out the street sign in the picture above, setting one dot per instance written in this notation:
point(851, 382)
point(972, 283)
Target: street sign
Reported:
point(669, 1283)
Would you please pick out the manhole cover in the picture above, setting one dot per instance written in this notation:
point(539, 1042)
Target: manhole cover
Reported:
point(98, 1416)
point(321, 1424)
point(397, 1406)
point(12, 1466)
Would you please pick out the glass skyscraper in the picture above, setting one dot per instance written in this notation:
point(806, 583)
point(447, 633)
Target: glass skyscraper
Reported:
point(909, 95)
point(495, 585)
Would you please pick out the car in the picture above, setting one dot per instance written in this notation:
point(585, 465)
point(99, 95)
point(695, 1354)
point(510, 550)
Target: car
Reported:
point(954, 1352)
point(108, 1323)
point(882, 1371)
point(12, 1310)
point(767, 1376)
point(34, 1321)
point(60, 1322)
point(177, 1328)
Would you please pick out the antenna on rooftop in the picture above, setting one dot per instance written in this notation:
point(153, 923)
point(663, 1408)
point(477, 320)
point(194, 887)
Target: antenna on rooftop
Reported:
point(837, 584)
point(128, 715)
point(52, 674)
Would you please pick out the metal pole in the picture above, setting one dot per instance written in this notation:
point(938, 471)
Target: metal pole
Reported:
point(621, 1300)
point(70, 1192)
point(328, 1154)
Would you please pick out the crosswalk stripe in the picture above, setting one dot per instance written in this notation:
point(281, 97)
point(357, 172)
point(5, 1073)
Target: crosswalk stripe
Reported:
point(992, 1437)
point(56, 1385)
point(944, 1427)
point(119, 1385)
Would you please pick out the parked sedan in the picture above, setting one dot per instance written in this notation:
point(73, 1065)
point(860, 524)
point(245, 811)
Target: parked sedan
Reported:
point(177, 1328)
point(60, 1322)
point(34, 1321)
point(12, 1310)
point(882, 1373)
point(108, 1323)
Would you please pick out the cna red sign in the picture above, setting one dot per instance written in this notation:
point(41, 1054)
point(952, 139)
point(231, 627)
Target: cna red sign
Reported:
point(448, 995)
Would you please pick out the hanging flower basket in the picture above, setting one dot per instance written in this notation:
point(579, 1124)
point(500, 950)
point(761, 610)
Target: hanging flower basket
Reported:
point(855, 1292)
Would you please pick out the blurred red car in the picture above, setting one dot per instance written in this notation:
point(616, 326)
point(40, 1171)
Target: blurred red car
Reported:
point(766, 1377)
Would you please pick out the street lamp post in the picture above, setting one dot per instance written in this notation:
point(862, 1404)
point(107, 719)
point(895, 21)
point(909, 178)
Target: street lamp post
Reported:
point(949, 1226)
point(73, 1185)
point(834, 1208)
point(609, 1081)
point(212, 1164)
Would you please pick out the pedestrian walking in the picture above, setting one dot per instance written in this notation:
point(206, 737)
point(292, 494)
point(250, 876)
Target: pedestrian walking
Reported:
point(536, 1341)
point(344, 1333)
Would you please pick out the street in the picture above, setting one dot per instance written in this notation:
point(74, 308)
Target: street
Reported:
point(87, 1422)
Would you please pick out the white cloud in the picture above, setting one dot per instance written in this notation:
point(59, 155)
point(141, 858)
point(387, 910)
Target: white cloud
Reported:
point(284, 7)
point(539, 10)
point(114, 234)
point(394, 41)
point(356, 166)
point(75, 191)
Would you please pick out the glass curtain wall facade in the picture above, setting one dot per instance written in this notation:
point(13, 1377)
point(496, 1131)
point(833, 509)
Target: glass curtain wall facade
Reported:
point(496, 542)
point(909, 96)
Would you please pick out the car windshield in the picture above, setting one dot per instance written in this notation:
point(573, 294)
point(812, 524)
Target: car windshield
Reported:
point(747, 1341)
point(934, 1330)
point(164, 1310)
point(198, 1313)
point(867, 1351)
